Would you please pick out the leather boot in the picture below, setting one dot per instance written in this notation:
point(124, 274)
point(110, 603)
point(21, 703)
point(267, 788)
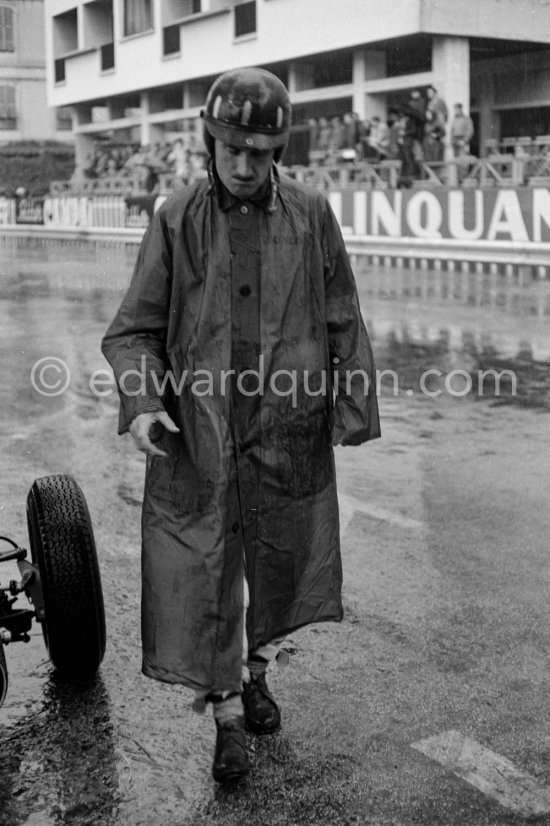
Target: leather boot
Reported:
point(261, 712)
point(230, 756)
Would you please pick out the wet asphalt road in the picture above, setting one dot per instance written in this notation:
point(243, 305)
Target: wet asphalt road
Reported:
point(445, 528)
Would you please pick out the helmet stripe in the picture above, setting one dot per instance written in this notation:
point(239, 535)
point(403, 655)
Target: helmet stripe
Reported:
point(216, 107)
point(247, 111)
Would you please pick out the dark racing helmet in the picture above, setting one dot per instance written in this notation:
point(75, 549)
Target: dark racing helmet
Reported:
point(248, 108)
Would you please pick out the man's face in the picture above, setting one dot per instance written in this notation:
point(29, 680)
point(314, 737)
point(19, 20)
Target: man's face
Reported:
point(242, 171)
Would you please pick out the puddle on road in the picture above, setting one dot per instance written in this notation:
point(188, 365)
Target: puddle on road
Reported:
point(477, 334)
point(59, 762)
point(458, 324)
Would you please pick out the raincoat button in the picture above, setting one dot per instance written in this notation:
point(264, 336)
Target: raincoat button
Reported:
point(245, 291)
point(244, 210)
point(235, 527)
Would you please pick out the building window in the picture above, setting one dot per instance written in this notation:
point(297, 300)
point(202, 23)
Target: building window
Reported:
point(59, 69)
point(171, 39)
point(107, 56)
point(6, 29)
point(138, 16)
point(245, 18)
point(8, 111)
point(65, 33)
point(64, 119)
point(190, 7)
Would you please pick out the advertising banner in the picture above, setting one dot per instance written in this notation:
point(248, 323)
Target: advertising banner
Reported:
point(519, 215)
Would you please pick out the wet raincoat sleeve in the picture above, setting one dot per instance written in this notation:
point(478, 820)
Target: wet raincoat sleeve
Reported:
point(135, 343)
point(355, 416)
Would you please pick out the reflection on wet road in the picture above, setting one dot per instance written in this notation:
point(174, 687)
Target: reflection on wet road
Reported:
point(59, 761)
point(125, 751)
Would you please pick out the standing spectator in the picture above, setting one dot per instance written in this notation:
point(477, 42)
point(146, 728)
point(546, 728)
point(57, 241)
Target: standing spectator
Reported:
point(178, 158)
point(365, 150)
point(245, 277)
point(324, 136)
point(313, 134)
point(324, 139)
point(379, 138)
point(417, 106)
point(436, 109)
point(352, 128)
point(412, 126)
point(437, 115)
point(462, 132)
point(394, 128)
point(337, 138)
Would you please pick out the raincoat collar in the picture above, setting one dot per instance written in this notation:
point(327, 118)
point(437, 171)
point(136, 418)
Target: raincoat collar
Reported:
point(265, 197)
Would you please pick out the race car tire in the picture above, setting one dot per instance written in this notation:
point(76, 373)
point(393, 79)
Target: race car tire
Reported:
point(3, 674)
point(63, 548)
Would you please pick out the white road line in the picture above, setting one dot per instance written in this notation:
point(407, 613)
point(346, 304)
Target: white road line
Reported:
point(492, 774)
point(349, 505)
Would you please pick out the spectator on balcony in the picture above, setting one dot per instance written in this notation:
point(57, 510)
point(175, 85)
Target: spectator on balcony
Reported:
point(313, 126)
point(353, 131)
point(198, 166)
point(437, 115)
point(436, 108)
point(379, 139)
point(394, 130)
point(178, 160)
point(412, 126)
point(417, 106)
point(134, 161)
point(337, 137)
point(325, 134)
point(462, 132)
point(111, 170)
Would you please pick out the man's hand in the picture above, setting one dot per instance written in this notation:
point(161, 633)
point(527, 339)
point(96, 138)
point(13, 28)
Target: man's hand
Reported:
point(141, 427)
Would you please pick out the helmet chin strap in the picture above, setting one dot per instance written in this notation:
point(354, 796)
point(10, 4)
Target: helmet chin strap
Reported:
point(273, 179)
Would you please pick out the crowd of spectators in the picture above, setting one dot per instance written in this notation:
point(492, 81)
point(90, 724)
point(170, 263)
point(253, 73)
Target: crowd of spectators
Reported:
point(413, 132)
point(145, 164)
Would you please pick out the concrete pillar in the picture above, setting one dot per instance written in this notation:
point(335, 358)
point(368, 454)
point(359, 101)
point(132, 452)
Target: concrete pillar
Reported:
point(80, 30)
point(451, 73)
point(151, 133)
point(451, 70)
point(145, 126)
point(292, 80)
point(358, 104)
point(374, 67)
point(489, 120)
point(303, 76)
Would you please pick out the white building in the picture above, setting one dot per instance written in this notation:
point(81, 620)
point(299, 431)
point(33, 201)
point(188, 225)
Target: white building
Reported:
point(139, 69)
point(24, 111)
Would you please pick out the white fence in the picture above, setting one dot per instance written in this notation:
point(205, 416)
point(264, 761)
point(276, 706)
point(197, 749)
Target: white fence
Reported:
point(7, 211)
point(76, 212)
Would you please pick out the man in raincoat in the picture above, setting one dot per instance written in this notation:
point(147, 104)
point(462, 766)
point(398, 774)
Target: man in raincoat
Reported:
point(241, 357)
